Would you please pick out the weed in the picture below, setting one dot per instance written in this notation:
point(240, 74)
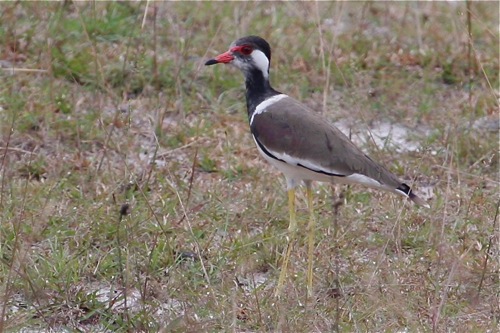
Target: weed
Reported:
point(132, 197)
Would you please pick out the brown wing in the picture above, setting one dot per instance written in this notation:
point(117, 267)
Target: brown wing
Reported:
point(290, 127)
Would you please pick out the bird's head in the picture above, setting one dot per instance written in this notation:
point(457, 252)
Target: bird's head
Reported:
point(248, 54)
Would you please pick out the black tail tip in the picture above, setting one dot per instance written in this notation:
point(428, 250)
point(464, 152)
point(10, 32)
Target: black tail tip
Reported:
point(405, 189)
point(418, 200)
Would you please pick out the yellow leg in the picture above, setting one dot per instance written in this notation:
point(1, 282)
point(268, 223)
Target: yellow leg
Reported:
point(311, 229)
point(292, 231)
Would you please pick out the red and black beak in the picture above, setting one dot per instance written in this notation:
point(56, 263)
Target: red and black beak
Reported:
point(223, 58)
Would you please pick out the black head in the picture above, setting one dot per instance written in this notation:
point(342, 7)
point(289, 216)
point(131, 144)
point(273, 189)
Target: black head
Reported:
point(256, 43)
point(247, 53)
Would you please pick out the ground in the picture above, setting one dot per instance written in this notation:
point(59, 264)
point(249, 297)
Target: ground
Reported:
point(132, 197)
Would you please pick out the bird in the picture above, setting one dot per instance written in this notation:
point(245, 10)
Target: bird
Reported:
point(300, 143)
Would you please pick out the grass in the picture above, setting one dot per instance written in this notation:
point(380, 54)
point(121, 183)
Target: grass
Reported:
point(132, 197)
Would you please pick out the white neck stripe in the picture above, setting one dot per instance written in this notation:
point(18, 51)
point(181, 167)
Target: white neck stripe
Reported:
point(261, 108)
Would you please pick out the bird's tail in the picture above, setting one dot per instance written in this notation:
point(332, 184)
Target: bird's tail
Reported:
point(407, 191)
point(418, 200)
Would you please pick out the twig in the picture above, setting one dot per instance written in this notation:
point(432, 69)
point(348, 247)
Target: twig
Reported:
point(256, 294)
point(19, 150)
point(155, 53)
point(3, 166)
point(488, 249)
point(397, 240)
point(336, 206)
point(178, 148)
point(458, 172)
point(437, 314)
point(418, 26)
point(23, 70)
point(473, 51)
point(144, 17)
point(16, 226)
point(197, 247)
point(123, 212)
point(469, 50)
point(191, 178)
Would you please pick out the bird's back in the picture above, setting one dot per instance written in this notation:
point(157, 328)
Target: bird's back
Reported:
point(289, 127)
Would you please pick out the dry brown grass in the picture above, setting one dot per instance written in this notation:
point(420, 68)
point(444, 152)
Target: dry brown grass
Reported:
point(106, 104)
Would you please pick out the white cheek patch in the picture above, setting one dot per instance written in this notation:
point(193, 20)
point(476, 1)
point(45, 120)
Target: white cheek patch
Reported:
point(261, 108)
point(261, 61)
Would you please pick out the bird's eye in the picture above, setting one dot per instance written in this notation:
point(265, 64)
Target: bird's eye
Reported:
point(246, 50)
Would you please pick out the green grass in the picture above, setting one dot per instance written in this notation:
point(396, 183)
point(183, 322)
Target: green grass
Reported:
point(101, 111)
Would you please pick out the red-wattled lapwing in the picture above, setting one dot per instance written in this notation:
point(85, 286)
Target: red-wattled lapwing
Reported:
point(300, 143)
